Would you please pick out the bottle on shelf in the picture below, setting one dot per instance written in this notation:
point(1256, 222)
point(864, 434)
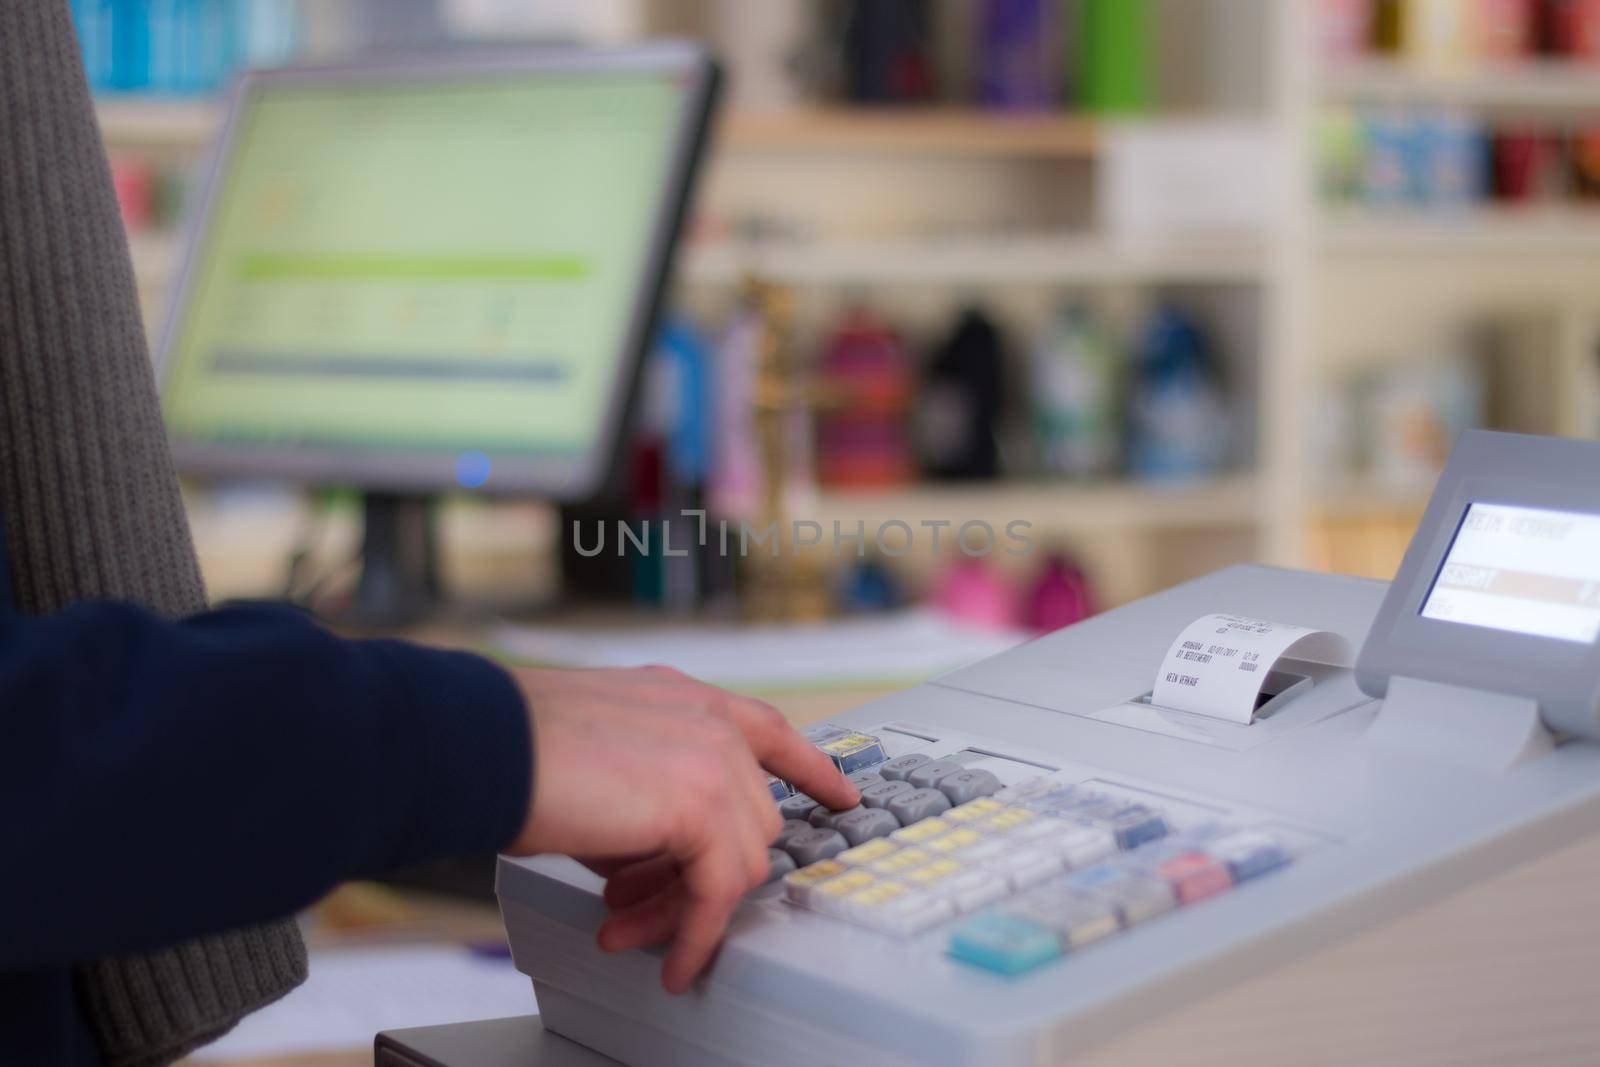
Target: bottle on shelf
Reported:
point(959, 407)
point(1177, 421)
point(1060, 596)
point(1076, 398)
point(863, 441)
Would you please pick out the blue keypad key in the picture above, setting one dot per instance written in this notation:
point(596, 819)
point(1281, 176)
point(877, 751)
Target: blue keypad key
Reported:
point(1247, 853)
point(778, 788)
point(1136, 824)
point(1002, 943)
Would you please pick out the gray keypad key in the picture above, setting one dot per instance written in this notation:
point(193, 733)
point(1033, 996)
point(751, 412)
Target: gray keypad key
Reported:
point(896, 769)
point(878, 796)
point(916, 805)
point(817, 843)
point(829, 819)
point(968, 785)
point(790, 828)
point(863, 779)
point(929, 773)
point(865, 824)
point(779, 863)
point(798, 806)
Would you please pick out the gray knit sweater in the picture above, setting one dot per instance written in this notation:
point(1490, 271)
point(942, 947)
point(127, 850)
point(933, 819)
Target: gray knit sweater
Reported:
point(89, 498)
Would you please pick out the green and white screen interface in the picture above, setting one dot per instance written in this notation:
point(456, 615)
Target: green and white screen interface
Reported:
point(437, 266)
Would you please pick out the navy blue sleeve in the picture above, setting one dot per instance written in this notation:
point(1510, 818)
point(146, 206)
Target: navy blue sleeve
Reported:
point(161, 780)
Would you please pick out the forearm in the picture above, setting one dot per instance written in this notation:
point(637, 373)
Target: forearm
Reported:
point(164, 779)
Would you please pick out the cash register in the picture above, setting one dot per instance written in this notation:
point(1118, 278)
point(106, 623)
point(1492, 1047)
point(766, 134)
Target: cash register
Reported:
point(1102, 824)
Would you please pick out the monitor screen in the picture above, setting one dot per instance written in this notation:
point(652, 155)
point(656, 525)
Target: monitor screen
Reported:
point(435, 263)
point(1523, 570)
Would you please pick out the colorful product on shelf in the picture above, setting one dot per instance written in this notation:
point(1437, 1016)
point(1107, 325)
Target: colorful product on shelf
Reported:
point(887, 52)
point(1076, 398)
point(1177, 421)
point(1114, 63)
point(1506, 29)
point(1060, 597)
point(862, 437)
point(1019, 57)
point(971, 592)
point(959, 407)
point(182, 47)
point(1585, 161)
point(1346, 29)
point(1523, 165)
point(1570, 28)
point(135, 185)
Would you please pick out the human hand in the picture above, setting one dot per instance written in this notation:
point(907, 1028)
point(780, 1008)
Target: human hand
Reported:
point(655, 781)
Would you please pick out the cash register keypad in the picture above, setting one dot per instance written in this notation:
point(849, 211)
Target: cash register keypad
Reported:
point(1033, 870)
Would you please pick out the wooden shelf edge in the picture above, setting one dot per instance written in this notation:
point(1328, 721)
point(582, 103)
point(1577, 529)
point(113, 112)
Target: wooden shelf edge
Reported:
point(911, 130)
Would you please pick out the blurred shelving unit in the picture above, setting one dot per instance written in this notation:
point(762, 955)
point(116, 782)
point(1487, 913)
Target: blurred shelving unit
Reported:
point(1540, 86)
point(1028, 185)
point(158, 122)
point(1067, 260)
point(1389, 283)
point(921, 131)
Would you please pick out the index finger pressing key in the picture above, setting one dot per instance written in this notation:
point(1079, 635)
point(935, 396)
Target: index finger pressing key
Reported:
point(786, 753)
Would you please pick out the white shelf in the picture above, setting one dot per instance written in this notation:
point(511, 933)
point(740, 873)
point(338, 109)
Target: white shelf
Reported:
point(156, 258)
point(1546, 85)
point(1077, 260)
point(158, 121)
point(914, 131)
point(1229, 503)
point(1484, 231)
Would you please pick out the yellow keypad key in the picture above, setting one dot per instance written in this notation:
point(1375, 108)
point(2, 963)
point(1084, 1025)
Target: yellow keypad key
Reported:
point(954, 841)
point(904, 860)
point(799, 885)
point(1009, 819)
point(853, 751)
point(845, 884)
point(876, 896)
point(934, 873)
point(867, 852)
point(973, 810)
point(920, 832)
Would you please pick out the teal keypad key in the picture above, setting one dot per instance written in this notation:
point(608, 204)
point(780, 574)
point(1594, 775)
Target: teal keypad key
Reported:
point(1004, 944)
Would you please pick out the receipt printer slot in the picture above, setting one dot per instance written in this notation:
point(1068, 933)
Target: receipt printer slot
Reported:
point(1279, 687)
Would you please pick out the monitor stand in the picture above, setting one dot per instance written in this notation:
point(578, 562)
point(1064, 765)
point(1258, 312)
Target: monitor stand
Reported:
point(399, 583)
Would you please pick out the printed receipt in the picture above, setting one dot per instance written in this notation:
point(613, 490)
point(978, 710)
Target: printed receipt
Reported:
point(1217, 665)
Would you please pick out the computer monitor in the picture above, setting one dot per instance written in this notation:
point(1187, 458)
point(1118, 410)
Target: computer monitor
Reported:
point(417, 275)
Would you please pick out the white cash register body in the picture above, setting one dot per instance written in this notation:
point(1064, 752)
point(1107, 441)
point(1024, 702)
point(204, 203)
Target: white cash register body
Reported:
point(1458, 743)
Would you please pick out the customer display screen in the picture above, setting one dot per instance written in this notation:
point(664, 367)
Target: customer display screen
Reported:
point(430, 263)
point(1522, 570)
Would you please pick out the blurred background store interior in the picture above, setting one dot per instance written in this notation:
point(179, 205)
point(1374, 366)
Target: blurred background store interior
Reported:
point(1180, 283)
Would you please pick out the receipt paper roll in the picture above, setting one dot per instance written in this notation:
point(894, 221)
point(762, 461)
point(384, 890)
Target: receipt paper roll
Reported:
point(1218, 664)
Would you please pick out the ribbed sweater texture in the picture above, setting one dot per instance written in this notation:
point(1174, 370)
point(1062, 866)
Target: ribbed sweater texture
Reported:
point(88, 495)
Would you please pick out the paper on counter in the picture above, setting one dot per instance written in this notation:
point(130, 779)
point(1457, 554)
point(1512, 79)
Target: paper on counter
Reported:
point(1217, 665)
